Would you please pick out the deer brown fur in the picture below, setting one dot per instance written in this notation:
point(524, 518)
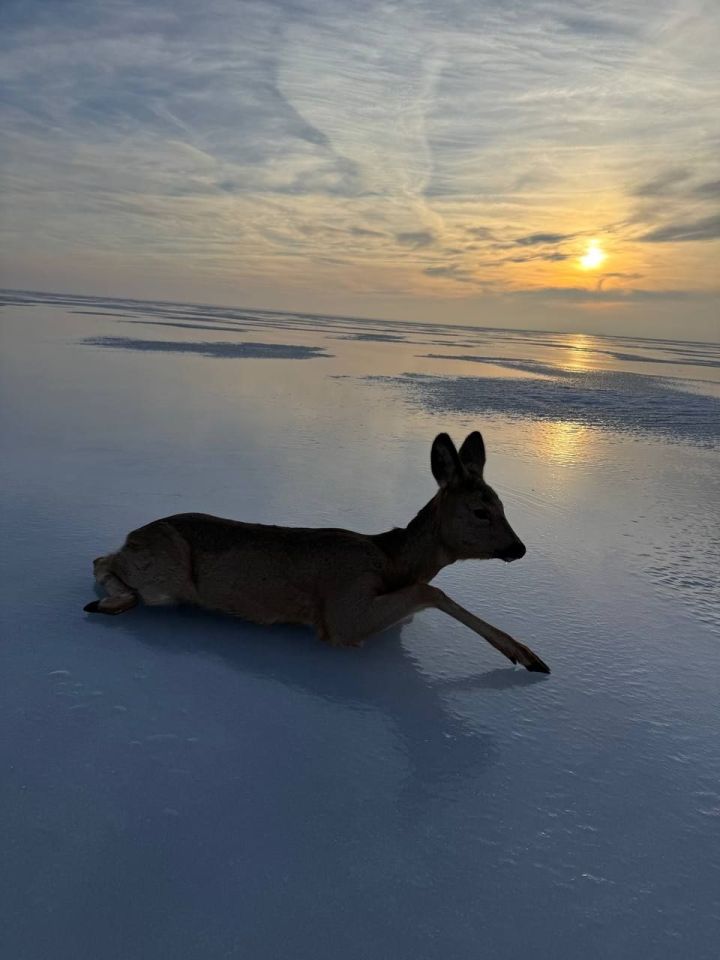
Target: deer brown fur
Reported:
point(347, 585)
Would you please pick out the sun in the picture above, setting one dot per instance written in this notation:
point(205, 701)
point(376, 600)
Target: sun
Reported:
point(593, 257)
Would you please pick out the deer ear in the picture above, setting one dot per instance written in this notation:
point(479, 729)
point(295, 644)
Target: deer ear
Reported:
point(445, 462)
point(472, 452)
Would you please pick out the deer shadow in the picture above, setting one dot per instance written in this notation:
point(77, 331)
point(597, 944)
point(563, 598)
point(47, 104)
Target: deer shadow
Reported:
point(441, 747)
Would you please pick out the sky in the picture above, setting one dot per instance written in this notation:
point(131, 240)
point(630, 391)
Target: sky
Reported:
point(546, 165)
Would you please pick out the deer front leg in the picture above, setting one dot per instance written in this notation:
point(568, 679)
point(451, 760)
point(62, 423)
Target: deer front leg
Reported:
point(513, 650)
point(351, 617)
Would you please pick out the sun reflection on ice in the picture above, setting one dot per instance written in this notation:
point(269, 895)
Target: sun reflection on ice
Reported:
point(579, 349)
point(563, 441)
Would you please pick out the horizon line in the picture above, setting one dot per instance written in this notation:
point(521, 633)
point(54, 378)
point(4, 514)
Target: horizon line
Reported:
point(349, 317)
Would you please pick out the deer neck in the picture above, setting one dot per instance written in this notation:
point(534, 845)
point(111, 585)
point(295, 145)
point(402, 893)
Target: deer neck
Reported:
point(417, 552)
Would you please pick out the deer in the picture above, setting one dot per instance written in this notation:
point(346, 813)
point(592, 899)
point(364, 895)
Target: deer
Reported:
point(346, 585)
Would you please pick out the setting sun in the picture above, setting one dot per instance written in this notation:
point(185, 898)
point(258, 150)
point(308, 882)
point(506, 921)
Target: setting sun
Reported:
point(593, 257)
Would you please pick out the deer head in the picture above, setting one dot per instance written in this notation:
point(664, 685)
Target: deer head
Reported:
point(471, 517)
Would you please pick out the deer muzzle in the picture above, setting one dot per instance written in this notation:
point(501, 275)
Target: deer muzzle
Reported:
point(514, 552)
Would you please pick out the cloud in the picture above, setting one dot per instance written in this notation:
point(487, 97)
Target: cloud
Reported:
point(364, 232)
point(711, 188)
point(662, 183)
point(554, 256)
point(621, 276)
point(451, 272)
point(416, 239)
point(600, 286)
point(707, 228)
point(598, 26)
point(616, 295)
point(481, 233)
point(538, 238)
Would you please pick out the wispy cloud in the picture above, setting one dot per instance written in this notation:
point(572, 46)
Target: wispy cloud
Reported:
point(534, 239)
point(451, 272)
point(554, 257)
point(707, 228)
point(663, 183)
point(709, 189)
point(600, 294)
point(415, 239)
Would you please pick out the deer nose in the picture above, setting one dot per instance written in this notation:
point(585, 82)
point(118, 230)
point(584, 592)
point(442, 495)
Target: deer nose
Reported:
point(515, 552)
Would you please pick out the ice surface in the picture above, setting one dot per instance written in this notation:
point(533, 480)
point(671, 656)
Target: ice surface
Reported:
point(176, 784)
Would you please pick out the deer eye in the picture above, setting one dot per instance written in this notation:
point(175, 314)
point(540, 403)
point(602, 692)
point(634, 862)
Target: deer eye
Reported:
point(482, 514)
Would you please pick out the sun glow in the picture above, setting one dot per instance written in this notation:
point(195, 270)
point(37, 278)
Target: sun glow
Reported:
point(593, 256)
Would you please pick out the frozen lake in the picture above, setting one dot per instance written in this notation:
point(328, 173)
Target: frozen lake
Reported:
point(183, 785)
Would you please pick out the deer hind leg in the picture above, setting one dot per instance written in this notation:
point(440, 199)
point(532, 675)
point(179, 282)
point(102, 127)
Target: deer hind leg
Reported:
point(156, 563)
point(119, 597)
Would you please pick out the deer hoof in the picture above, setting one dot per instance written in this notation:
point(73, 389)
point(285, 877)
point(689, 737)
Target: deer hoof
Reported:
point(531, 661)
point(536, 665)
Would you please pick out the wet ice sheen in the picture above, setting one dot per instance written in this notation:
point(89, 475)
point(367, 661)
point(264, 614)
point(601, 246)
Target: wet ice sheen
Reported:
point(181, 784)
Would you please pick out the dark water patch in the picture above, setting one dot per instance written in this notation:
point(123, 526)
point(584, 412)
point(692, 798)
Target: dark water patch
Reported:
point(518, 363)
point(372, 337)
point(690, 350)
point(99, 313)
point(686, 358)
point(624, 402)
point(226, 351)
point(681, 358)
point(186, 316)
point(186, 326)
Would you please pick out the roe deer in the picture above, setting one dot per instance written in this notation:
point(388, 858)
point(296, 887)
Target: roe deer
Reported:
point(347, 585)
